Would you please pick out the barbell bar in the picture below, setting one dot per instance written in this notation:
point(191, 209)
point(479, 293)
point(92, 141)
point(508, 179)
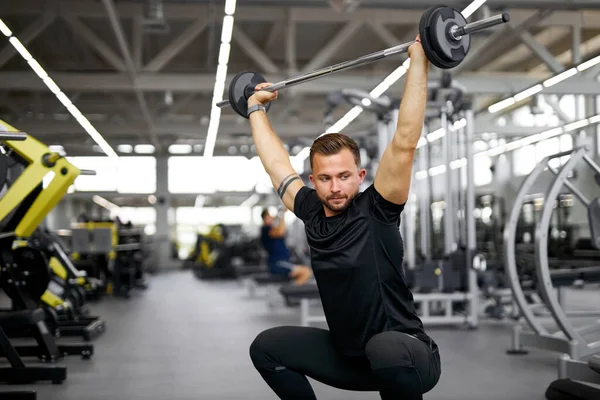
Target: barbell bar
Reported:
point(444, 34)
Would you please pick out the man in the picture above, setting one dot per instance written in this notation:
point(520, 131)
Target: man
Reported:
point(375, 341)
point(272, 238)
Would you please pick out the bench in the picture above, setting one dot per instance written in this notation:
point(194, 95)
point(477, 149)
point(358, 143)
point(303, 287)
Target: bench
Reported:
point(306, 294)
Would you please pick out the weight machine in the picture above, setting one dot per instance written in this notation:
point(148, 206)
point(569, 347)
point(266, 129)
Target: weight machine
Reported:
point(443, 283)
point(552, 275)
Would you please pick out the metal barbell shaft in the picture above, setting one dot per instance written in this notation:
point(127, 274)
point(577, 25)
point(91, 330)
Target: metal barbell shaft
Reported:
point(370, 58)
point(13, 136)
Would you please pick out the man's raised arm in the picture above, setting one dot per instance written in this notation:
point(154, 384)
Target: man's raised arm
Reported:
point(394, 173)
point(273, 156)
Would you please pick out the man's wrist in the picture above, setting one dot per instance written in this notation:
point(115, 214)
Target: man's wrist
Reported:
point(256, 107)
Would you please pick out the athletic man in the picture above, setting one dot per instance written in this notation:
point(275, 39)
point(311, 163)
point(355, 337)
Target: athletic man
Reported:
point(375, 341)
point(272, 237)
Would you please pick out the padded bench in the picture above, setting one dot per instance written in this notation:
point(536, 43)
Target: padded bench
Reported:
point(566, 277)
point(306, 293)
point(268, 280)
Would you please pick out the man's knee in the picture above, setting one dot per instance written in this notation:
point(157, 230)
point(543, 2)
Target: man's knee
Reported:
point(263, 348)
point(400, 363)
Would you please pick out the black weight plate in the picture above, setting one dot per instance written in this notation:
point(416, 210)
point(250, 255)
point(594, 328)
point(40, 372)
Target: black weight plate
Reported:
point(424, 32)
point(437, 46)
point(238, 90)
point(445, 45)
point(33, 269)
point(3, 170)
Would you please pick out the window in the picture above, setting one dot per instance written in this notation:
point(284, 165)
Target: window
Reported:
point(216, 174)
point(567, 105)
point(106, 176)
point(483, 173)
point(524, 160)
point(136, 175)
point(138, 215)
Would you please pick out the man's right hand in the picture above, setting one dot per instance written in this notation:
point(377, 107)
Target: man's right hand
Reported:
point(262, 96)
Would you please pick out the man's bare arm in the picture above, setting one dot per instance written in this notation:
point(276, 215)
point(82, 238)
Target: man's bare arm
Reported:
point(394, 174)
point(273, 156)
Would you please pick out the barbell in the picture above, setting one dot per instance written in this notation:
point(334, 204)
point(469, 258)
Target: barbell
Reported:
point(445, 37)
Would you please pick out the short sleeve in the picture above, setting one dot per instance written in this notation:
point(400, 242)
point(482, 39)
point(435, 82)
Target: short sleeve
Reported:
point(382, 209)
point(306, 202)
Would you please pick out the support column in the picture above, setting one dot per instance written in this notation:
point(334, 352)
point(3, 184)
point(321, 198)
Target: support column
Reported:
point(162, 238)
point(448, 200)
point(425, 200)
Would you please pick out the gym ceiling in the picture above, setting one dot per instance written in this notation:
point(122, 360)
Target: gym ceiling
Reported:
point(166, 97)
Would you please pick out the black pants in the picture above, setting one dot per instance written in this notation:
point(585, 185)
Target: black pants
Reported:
point(396, 365)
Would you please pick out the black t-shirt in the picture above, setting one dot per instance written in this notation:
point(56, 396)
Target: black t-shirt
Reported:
point(357, 262)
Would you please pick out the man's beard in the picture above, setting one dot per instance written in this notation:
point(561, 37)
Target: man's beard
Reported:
point(339, 207)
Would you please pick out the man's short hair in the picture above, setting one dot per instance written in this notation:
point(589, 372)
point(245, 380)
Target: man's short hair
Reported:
point(264, 212)
point(333, 143)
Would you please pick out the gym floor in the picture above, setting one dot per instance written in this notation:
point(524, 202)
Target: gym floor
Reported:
point(187, 339)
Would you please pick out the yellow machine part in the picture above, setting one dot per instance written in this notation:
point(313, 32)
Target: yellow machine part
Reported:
point(52, 300)
point(33, 152)
point(58, 269)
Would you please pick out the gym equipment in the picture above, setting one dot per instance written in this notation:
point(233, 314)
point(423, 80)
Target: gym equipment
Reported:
point(569, 339)
point(22, 209)
point(65, 296)
point(445, 37)
point(18, 370)
point(307, 294)
point(565, 388)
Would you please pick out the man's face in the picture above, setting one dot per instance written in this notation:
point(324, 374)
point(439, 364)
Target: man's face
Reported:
point(268, 219)
point(337, 180)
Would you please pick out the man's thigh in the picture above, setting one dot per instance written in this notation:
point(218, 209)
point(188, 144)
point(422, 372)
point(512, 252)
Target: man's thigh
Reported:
point(310, 351)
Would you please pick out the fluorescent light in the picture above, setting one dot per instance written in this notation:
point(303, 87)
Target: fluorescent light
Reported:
point(501, 105)
point(221, 73)
point(595, 119)
point(577, 125)
point(458, 163)
point(224, 53)
point(588, 64)
point(125, 148)
point(230, 7)
point(435, 135)
point(437, 170)
point(144, 149)
point(471, 8)
point(552, 132)
point(528, 92)
point(227, 29)
point(560, 77)
point(37, 68)
point(51, 85)
point(420, 175)
point(4, 29)
point(180, 149)
point(64, 100)
point(20, 48)
point(422, 142)
point(345, 120)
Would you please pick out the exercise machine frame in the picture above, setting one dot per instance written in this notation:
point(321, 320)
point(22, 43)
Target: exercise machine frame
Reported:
point(568, 339)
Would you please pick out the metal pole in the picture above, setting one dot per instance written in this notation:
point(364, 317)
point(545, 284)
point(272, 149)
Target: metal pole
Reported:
point(424, 200)
point(449, 207)
point(469, 217)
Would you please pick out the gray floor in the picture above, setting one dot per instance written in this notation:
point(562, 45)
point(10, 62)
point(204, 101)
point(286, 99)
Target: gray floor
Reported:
point(187, 339)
